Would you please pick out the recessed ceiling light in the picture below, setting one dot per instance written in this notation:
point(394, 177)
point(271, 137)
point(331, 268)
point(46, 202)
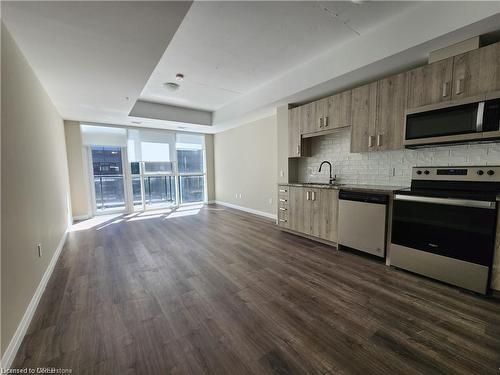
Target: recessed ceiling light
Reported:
point(171, 86)
point(179, 77)
point(127, 98)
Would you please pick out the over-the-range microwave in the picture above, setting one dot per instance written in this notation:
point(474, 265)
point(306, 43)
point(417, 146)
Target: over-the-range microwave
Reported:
point(456, 122)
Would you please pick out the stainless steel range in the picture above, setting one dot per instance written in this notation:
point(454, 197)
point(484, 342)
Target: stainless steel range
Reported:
point(444, 225)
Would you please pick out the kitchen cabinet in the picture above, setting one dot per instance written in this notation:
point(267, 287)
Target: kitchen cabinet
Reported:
point(296, 146)
point(363, 117)
point(476, 72)
point(327, 113)
point(378, 115)
point(283, 197)
point(298, 209)
point(391, 101)
point(338, 110)
point(307, 118)
point(313, 211)
point(430, 84)
point(324, 217)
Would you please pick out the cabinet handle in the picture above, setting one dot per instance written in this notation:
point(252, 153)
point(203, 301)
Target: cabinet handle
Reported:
point(313, 196)
point(379, 139)
point(320, 122)
point(283, 190)
point(282, 209)
point(282, 220)
point(298, 150)
point(307, 195)
point(459, 89)
point(370, 141)
point(282, 200)
point(445, 89)
point(326, 121)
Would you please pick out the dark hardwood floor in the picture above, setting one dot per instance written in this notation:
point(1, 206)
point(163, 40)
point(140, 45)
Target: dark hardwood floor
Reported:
point(222, 292)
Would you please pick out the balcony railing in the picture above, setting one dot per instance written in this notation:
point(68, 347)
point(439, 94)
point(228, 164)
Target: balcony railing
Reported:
point(109, 192)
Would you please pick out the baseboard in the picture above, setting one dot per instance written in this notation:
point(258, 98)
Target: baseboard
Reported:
point(22, 328)
point(246, 209)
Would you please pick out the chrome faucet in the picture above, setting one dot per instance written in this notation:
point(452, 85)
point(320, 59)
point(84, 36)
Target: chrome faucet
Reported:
point(332, 179)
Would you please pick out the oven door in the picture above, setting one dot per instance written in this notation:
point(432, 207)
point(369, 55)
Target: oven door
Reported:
point(455, 228)
point(449, 240)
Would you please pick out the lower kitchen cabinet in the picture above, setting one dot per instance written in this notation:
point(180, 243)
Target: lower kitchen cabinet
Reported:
point(324, 217)
point(313, 212)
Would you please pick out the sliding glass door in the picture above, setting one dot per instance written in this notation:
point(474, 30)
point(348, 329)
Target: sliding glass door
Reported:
point(153, 185)
point(108, 179)
point(141, 169)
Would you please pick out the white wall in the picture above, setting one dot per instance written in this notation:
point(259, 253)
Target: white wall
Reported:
point(35, 200)
point(386, 167)
point(245, 161)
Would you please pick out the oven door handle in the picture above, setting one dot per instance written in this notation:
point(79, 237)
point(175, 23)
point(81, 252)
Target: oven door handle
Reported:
point(447, 201)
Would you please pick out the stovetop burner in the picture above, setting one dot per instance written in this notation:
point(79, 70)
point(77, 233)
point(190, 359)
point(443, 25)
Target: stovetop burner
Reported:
point(469, 182)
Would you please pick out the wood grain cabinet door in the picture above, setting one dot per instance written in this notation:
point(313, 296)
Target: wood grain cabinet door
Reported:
point(294, 149)
point(307, 118)
point(363, 117)
point(338, 110)
point(299, 209)
point(430, 84)
point(320, 113)
point(324, 219)
point(476, 72)
point(391, 101)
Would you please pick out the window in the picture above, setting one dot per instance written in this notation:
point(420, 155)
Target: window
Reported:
point(157, 181)
point(191, 167)
point(108, 178)
point(192, 189)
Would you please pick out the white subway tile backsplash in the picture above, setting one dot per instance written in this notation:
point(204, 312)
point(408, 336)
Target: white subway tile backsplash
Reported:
point(386, 167)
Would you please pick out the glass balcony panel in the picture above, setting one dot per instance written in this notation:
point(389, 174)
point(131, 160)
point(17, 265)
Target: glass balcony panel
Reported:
point(192, 189)
point(109, 192)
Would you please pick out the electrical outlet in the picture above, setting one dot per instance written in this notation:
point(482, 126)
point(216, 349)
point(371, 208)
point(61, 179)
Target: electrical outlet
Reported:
point(239, 195)
point(236, 195)
point(39, 248)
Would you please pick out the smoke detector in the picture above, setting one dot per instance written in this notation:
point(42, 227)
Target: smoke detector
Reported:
point(172, 86)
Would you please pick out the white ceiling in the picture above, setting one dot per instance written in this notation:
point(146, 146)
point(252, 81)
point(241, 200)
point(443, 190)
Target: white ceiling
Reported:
point(227, 49)
point(91, 55)
point(240, 59)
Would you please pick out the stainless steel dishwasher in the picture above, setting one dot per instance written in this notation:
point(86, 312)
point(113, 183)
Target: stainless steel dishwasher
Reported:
point(363, 221)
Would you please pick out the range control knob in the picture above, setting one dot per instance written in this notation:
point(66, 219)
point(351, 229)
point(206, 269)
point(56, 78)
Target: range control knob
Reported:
point(427, 172)
point(480, 172)
point(491, 172)
point(419, 172)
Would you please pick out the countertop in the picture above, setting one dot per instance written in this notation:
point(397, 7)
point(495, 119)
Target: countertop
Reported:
point(368, 188)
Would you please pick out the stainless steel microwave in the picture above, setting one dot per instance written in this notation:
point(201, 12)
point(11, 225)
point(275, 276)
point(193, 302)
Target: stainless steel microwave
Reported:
point(453, 123)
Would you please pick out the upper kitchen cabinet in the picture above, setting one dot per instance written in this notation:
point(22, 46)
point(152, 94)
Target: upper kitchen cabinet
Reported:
point(308, 118)
point(296, 146)
point(391, 99)
point(338, 110)
point(363, 117)
point(430, 84)
point(476, 72)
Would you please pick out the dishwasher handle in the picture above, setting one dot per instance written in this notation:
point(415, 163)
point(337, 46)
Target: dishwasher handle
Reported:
point(361, 196)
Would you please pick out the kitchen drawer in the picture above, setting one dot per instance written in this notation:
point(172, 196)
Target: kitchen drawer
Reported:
point(283, 190)
point(282, 201)
point(283, 212)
